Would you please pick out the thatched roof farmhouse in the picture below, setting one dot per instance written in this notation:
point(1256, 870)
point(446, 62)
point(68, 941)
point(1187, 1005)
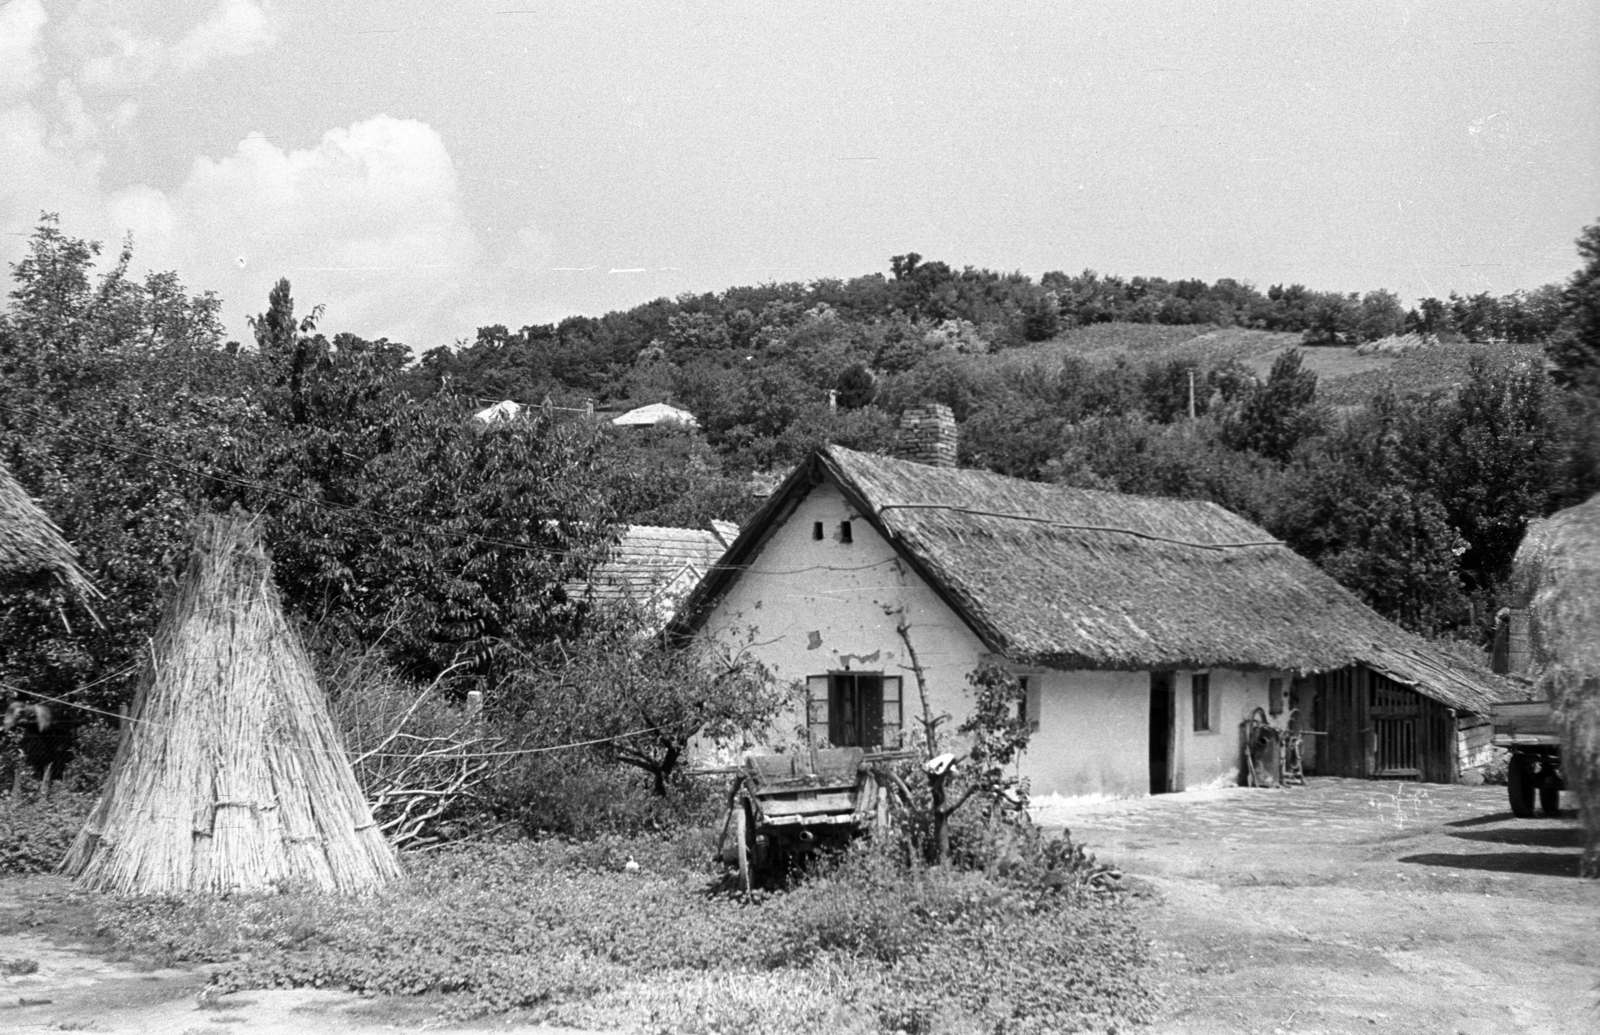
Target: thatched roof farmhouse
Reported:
point(231, 776)
point(1146, 629)
point(33, 553)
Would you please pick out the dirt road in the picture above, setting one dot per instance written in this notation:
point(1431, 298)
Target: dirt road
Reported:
point(1352, 906)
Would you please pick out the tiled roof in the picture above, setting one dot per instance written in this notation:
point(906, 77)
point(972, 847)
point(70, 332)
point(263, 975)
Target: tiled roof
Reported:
point(656, 566)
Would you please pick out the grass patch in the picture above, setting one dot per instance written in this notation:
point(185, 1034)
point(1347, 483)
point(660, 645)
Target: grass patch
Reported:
point(35, 834)
point(561, 933)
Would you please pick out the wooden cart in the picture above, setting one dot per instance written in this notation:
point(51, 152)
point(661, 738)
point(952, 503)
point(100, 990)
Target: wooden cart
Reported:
point(1529, 731)
point(784, 808)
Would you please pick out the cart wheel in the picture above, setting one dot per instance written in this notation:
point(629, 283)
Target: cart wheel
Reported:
point(1519, 785)
point(741, 841)
point(1550, 801)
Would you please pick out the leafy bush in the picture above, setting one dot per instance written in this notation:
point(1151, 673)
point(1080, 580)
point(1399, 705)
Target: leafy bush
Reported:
point(37, 833)
point(565, 933)
point(577, 795)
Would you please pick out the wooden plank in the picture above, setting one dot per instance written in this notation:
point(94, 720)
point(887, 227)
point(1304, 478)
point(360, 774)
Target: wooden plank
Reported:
point(832, 802)
point(1521, 718)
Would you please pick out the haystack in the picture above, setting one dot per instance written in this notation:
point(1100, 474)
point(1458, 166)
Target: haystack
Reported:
point(1557, 578)
point(32, 552)
point(231, 776)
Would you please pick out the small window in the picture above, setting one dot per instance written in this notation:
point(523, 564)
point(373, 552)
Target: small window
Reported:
point(1028, 702)
point(844, 532)
point(1275, 696)
point(816, 530)
point(1200, 691)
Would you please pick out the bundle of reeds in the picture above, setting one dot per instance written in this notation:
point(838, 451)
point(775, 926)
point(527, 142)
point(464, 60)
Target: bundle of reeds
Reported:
point(32, 551)
point(230, 775)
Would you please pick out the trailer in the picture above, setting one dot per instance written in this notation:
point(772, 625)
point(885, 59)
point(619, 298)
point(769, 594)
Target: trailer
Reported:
point(1528, 729)
point(783, 809)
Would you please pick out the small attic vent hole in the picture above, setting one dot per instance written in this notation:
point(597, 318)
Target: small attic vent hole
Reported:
point(816, 530)
point(844, 532)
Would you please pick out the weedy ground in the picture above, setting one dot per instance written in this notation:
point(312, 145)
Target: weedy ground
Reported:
point(567, 934)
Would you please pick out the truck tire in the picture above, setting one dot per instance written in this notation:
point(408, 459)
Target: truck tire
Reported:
point(1519, 785)
point(1550, 801)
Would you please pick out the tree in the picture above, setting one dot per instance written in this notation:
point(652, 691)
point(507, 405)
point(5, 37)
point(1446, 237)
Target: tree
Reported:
point(1575, 349)
point(637, 700)
point(856, 386)
point(116, 396)
point(1397, 551)
point(402, 521)
point(1277, 416)
point(993, 733)
point(1379, 316)
point(1331, 318)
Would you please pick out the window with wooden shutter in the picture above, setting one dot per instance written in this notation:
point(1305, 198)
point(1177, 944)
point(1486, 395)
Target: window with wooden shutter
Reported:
point(817, 709)
point(892, 718)
point(854, 709)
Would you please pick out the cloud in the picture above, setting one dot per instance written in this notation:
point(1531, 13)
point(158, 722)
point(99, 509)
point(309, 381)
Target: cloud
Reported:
point(234, 29)
point(368, 219)
point(20, 22)
point(371, 216)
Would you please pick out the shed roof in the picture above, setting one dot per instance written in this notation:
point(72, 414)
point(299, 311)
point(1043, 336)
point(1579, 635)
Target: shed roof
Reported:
point(32, 550)
point(1080, 579)
point(650, 560)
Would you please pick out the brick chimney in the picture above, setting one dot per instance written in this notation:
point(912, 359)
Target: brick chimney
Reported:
point(927, 435)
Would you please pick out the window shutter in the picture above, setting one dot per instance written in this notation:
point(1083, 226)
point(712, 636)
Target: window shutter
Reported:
point(892, 719)
point(817, 709)
point(869, 692)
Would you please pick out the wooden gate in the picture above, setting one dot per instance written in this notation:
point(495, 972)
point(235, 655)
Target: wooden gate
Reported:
point(1394, 714)
point(1378, 728)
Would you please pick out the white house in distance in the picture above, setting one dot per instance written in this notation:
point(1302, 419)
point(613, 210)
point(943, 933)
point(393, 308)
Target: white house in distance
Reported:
point(1145, 630)
point(654, 414)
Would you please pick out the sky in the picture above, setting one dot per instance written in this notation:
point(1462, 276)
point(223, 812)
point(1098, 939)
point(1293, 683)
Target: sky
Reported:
point(422, 168)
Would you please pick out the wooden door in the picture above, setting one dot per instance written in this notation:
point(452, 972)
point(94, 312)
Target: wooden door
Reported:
point(1162, 707)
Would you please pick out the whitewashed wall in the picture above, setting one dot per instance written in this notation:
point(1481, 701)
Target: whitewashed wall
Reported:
point(816, 606)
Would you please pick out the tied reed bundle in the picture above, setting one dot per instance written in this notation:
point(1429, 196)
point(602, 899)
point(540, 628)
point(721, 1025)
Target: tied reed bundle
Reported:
point(230, 775)
point(32, 551)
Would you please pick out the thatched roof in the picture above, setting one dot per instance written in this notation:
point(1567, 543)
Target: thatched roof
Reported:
point(1079, 579)
point(32, 551)
point(231, 775)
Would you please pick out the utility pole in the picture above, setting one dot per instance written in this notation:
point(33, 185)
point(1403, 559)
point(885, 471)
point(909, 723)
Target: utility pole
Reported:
point(1191, 393)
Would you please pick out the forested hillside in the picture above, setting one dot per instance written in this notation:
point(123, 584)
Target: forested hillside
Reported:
point(398, 521)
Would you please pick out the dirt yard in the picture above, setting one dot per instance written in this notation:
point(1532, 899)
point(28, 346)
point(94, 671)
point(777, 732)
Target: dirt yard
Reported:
point(1353, 906)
